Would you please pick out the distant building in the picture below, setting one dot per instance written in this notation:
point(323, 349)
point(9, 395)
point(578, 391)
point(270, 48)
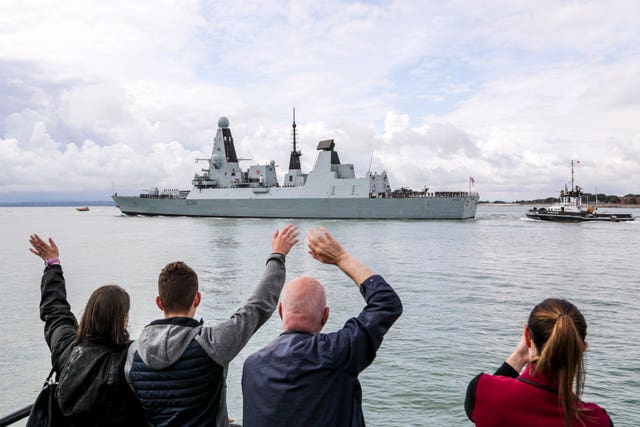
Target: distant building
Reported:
point(631, 199)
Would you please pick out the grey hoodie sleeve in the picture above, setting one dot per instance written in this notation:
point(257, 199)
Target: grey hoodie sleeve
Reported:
point(224, 341)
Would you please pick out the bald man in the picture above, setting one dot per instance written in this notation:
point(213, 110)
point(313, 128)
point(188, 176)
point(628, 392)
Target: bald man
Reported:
point(307, 378)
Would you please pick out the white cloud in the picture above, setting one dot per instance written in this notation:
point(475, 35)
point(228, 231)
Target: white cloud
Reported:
point(115, 40)
point(91, 167)
point(505, 92)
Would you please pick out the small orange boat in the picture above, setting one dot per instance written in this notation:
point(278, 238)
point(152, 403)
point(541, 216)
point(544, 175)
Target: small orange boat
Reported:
point(83, 209)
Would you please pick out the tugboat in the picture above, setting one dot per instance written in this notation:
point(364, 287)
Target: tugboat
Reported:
point(570, 208)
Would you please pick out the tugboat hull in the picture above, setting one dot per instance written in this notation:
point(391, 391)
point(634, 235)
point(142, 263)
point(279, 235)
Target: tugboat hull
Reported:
point(578, 217)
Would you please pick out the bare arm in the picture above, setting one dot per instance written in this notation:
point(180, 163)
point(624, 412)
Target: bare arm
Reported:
point(324, 248)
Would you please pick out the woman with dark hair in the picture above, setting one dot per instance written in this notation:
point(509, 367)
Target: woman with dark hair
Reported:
point(552, 349)
point(89, 357)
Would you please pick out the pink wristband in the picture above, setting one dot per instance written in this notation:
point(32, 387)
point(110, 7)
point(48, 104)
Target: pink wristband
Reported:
point(49, 261)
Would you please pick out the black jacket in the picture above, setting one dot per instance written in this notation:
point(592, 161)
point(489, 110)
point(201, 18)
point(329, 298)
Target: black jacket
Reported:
point(92, 388)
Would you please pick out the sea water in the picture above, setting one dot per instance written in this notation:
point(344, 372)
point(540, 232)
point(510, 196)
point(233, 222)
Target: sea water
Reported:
point(467, 288)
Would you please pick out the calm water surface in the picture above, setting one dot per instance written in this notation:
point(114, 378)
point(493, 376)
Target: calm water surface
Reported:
point(467, 288)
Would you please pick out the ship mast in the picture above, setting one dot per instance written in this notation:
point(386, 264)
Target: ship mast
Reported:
point(572, 187)
point(294, 160)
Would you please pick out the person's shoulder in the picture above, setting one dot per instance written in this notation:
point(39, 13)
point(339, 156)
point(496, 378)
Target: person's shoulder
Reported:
point(493, 381)
point(253, 358)
point(595, 415)
point(265, 354)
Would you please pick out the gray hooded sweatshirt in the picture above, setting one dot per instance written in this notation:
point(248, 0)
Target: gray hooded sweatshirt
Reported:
point(178, 366)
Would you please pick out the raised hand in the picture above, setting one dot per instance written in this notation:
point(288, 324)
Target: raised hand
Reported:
point(326, 249)
point(323, 247)
point(43, 249)
point(284, 240)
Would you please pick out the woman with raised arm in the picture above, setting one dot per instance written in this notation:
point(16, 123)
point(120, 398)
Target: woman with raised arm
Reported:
point(552, 349)
point(88, 357)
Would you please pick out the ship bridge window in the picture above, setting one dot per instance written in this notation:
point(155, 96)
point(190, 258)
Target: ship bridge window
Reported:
point(290, 178)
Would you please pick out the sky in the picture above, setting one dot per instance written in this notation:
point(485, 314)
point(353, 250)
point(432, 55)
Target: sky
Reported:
point(100, 96)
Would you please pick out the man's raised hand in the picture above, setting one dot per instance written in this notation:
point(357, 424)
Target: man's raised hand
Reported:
point(284, 240)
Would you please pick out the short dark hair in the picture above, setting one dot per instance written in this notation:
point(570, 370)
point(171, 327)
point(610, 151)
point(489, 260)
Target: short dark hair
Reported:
point(177, 286)
point(104, 316)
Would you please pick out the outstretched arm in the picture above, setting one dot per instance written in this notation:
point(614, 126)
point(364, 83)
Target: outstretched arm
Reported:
point(358, 341)
point(60, 323)
point(225, 340)
point(324, 248)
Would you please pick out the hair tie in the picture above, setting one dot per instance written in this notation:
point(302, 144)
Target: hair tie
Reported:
point(560, 315)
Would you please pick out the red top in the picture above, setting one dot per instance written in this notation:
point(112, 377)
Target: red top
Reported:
point(504, 401)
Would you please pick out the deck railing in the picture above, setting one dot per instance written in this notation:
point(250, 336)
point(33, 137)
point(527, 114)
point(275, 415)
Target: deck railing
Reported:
point(15, 416)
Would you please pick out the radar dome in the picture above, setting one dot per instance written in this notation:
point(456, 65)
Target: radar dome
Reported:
point(223, 122)
point(272, 163)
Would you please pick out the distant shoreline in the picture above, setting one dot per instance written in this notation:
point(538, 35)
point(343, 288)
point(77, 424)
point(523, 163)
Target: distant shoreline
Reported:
point(600, 205)
point(63, 203)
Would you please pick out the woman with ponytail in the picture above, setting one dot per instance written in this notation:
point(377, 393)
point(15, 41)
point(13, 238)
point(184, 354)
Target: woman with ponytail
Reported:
point(551, 351)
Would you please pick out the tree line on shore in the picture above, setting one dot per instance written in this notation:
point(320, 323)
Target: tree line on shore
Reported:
point(627, 199)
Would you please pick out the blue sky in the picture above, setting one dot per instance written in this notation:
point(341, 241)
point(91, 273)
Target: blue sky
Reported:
point(97, 93)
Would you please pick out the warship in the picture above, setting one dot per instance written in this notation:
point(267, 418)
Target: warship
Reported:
point(329, 190)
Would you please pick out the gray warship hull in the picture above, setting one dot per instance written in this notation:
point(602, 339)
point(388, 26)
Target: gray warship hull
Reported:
point(363, 208)
point(329, 190)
